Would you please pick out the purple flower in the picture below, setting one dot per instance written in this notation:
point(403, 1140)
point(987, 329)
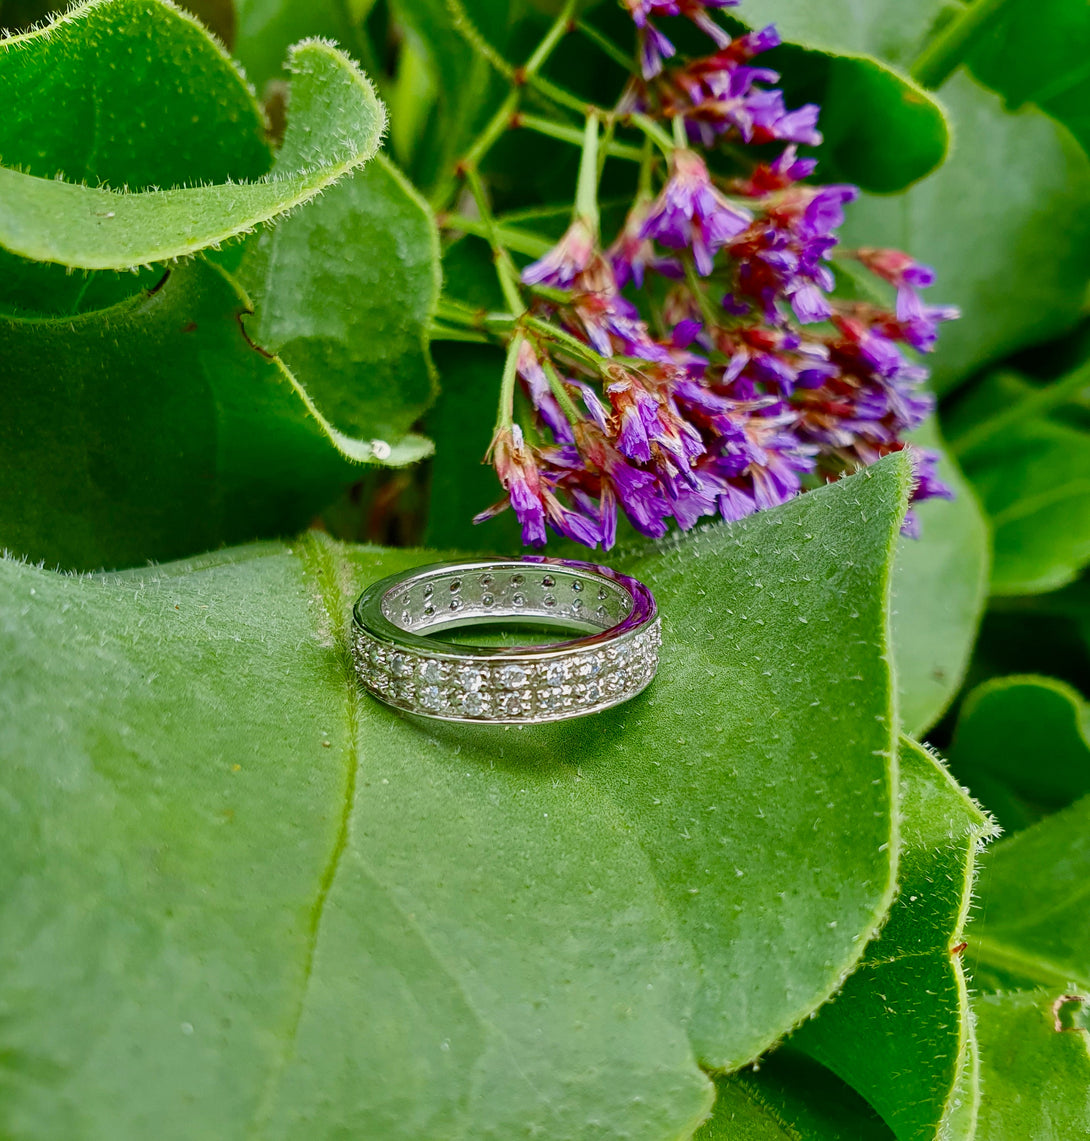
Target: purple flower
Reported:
point(928, 483)
point(808, 302)
point(531, 498)
point(655, 48)
point(691, 213)
point(541, 396)
point(824, 212)
point(569, 258)
point(631, 254)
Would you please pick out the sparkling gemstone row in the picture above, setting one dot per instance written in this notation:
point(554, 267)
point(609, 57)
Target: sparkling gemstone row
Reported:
point(505, 689)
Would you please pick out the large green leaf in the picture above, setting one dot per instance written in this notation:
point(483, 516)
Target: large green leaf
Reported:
point(940, 585)
point(1023, 745)
point(1035, 51)
point(789, 1097)
point(465, 84)
point(80, 94)
point(344, 292)
point(1031, 939)
point(905, 1012)
point(1028, 456)
point(335, 126)
point(1035, 1078)
point(237, 890)
point(1033, 921)
point(155, 429)
point(1004, 222)
point(885, 29)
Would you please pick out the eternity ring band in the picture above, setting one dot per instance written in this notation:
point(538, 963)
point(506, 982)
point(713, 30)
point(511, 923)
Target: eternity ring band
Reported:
point(614, 659)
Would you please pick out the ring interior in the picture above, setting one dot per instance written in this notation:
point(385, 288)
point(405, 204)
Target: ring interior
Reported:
point(451, 597)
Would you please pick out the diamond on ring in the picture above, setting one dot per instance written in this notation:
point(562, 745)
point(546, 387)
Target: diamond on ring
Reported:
point(611, 658)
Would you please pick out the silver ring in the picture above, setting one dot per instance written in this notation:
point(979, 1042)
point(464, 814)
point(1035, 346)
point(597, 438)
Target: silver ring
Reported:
point(517, 685)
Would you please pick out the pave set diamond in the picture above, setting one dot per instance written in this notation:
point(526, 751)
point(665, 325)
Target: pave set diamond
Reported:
point(532, 687)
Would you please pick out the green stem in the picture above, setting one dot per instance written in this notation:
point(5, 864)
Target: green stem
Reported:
point(561, 26)
point(521, 241)
point(458, 312)
point(647, 162)
point(437, 331)
point(563, 397)
point(586, 191)
point(946, 50)
point(653, 131)
point(505, 416)
point(681, 141)
point(1036, 404)
point(501, 120)
point(505, 269)
point(623, 59)
point(557, 94)
point(566, 341)
point(604, 145)
point(495, 127)
point(573, 135)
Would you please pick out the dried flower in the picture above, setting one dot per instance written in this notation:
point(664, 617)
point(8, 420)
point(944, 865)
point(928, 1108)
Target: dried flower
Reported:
point(750, 373)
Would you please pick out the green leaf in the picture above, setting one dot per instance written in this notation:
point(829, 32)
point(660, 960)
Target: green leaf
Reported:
point(1005, 224)
point(761, 610)
point(344, 292)
point(127, 93)
point(905, 1012)
point(335, 126)
point(884, 29)
point(1036, 53)
point(882, 131)
point(154, 429)
point(466, 86)
point(1029, 460)
point(1035, 1079)
point(267, 28)
point(940, 585)
point(789, 1097)
point(254, 895)
point(1033, 920)
point(1031, 939)
point(1023, 745)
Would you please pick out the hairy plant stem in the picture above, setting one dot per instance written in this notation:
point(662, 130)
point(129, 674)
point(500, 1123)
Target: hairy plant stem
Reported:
point(510, 237)
point(505, 269)
point(505, 416)
point(586, 191)
point(563, 398)
point(566, 134)
point(947, 50)
point(438, 331)
point(565, 340)
point(652, 131)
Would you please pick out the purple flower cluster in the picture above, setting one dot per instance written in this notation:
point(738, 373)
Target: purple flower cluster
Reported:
point(749, 380)
point(655, 48)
